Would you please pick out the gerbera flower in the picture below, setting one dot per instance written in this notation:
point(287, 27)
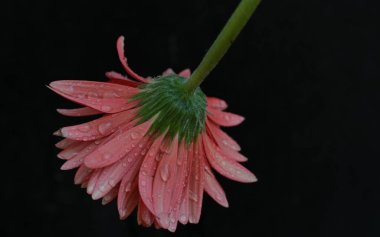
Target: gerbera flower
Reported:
point(157, 141)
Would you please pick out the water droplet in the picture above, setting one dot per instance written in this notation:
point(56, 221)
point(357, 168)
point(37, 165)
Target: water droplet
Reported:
point(140, 145)
point(193, 196)
point(133, 145)
point(124, 164)
point(143, 152)
point(172, 228)
point(129, 159)
point(106, 108)
point(128, 187)
point(144, 172)
point(151, 153)
point(84, 128)
point(112, 182)
point(164, 172)
point(134, 135)
point(104, 128)
point(136, 154)
point(143, 183)
point(183, 218)
point(106, 156)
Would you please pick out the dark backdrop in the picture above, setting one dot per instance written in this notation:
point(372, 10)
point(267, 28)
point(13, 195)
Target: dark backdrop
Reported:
point(304, 73)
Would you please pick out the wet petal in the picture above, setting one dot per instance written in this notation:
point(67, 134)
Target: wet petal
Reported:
point(225, 166)
point(64, 143)
point(72, 150)
point(98, 128)
point(126, 168)
point(196, 182)
point(120, 145)
point(225, 119)
point(111, 195)
point(221, 138)
point(82, 175)
point(147, 172)
point(216, 103)
point(105, 97)
point(79, 112)
point(144, 216)
point(164, 183)
point(213, 188)
point(128, 198)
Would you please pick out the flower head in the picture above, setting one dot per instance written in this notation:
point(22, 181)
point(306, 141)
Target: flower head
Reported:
point(153, 148)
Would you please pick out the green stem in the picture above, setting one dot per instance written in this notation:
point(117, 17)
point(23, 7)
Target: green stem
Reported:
point(222, 43)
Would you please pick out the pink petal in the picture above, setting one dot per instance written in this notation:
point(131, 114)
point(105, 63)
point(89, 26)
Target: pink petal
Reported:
point(147, 172)
point(232, 154)
point(104, 97)
point(184, 210)
point(168, 72)
point(98, 128)
point(78, 159)
point(144, 216)
point(123, 60)
point(126, 168)
point(196, 182)
point(128, 198)
point(213, 188)
point(93, 180)
point(224, 118)
point(221, 138)
point(225, 166)
point(82, 175)
point(118, 78)
point(111, 195)
point(79, 112)
point(64, 143)
point(164, 183)
point(185, 73)
point(72, 150)
point(122, 143)
point(216, 103)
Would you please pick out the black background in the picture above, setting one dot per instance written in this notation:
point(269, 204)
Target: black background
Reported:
point(304, 74)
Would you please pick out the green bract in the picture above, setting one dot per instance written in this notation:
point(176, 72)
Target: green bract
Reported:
point(174, 110)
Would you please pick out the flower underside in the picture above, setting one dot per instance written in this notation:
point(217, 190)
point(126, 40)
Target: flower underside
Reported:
point(175, 112)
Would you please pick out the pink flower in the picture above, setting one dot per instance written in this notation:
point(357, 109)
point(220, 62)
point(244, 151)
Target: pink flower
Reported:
point(120, 155)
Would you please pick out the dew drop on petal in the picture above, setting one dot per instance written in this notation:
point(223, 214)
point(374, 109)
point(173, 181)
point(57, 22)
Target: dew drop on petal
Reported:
point(106, 108)
point(105, 127)
point(134, 135)
point(84, 128)
point(128, 187)
point(164, 172)
point(193, 196)
point(106, 156)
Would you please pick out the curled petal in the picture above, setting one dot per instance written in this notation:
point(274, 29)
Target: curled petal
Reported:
point(79, 112)
point(123, 60)
point(225, 119)
point(118, 78)
point(225, 166)
point(216, 103)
